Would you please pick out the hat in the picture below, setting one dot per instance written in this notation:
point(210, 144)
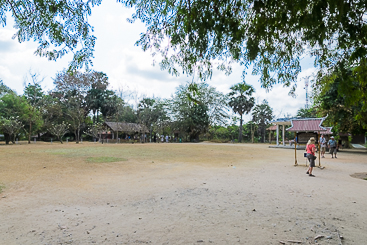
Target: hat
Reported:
point(311, 141)
point(332, 137)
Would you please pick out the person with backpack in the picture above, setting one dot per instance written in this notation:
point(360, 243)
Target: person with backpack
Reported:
point(332, 146)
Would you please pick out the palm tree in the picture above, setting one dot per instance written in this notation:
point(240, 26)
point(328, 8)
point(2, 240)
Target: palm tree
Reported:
point(262, 115)
point(241, 102)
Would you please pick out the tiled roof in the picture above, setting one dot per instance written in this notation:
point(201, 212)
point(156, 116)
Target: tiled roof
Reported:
point(274, 127)
point(328, 131)
point(307, 125)
point(127, 127)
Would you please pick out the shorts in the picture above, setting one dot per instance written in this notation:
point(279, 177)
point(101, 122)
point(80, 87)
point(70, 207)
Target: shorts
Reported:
point(323, 148)
point(332, 150)
point(311, 158)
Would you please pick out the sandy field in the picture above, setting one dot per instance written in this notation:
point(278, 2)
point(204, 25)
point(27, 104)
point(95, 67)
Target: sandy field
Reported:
point(178, 194)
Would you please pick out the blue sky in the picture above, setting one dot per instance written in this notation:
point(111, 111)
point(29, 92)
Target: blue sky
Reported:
point(127, 66)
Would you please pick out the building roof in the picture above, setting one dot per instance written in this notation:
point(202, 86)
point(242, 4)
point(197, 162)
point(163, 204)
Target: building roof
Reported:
point(307, 125)
point(328, 131)
point(282, 121)
point(127, 127)
point(274, 127)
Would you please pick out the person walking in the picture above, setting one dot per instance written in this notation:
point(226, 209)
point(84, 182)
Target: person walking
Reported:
point(323, 146)
point(332, 146)
point(311, 150)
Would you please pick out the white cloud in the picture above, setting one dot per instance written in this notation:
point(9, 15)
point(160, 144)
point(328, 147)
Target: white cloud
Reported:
point(127, 65)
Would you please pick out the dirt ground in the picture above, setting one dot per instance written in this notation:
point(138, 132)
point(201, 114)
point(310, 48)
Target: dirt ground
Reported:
point(178, 194)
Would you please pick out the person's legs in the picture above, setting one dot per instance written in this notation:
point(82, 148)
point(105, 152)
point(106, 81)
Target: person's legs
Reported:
point(335, 152)
point(312, 165)
point(311, 159)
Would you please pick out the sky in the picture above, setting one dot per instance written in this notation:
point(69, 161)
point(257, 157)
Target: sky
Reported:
point(128, 67)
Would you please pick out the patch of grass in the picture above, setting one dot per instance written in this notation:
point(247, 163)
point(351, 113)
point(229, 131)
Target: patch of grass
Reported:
point(2, 187)
point(105, 159)
point(365, 178)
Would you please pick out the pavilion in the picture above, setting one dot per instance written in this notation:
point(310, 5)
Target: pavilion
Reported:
point(305, 128)
point(280, 122)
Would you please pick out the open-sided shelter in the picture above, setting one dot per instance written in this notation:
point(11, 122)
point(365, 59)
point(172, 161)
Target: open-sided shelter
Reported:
point(304, 129)
point(128, 128)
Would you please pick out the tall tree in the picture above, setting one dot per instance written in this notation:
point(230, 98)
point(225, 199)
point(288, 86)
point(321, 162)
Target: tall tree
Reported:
point(195, 106)
point(340, 98)
point(306, 113)
point(262, 115)
point(72, 91)
point(34, 95)
point(241, 102)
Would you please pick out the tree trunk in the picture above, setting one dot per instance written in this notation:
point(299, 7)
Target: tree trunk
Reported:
point(77, 136)
point(30, 131)
point(7, 138)
point(240, 131)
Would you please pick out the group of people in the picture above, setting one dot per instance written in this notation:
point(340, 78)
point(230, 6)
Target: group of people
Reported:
point(311, 151)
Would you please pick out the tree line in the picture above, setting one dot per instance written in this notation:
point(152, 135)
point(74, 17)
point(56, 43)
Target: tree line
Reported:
point(81, 101)
point(269, 36)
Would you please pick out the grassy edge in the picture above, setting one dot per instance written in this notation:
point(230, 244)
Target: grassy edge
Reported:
point(104, 159)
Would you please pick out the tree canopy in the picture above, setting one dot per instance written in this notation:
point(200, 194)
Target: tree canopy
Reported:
point(59, 27)
point(195, 36)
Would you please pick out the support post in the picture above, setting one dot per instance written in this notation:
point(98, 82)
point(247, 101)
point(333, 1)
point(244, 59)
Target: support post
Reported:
point(319, 148)
point(283, 135)
point(295, 149)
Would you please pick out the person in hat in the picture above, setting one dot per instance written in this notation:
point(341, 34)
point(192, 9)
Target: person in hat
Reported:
point(323, 146)
point(311, 156)
point(332, 146)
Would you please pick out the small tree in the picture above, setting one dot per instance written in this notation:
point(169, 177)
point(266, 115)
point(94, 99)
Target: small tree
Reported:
point(95, 130)
point(59, 130)
point(11, 126)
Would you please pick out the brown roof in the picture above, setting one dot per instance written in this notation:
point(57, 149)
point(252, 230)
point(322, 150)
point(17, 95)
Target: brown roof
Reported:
point(307, 125)
point(127, 127)
point(274, 127)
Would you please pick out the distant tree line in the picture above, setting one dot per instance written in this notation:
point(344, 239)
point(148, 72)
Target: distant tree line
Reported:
point(80, 103)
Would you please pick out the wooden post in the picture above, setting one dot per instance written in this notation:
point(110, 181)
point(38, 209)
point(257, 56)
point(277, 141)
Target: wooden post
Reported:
point(295, 149)
point(319, 148)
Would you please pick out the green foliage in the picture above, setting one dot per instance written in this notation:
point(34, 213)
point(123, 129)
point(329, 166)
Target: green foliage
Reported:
point(59, 27)
point(269, 34)
point(195, 106)
point(59, 130)
point(341, 95)
point(241, 102)
point(95, 130)
point(307, 113)
point(262, 115)
point(4, 89)
point(11, 126)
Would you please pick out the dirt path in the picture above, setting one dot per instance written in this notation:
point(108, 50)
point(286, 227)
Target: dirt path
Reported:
point(178, 194)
